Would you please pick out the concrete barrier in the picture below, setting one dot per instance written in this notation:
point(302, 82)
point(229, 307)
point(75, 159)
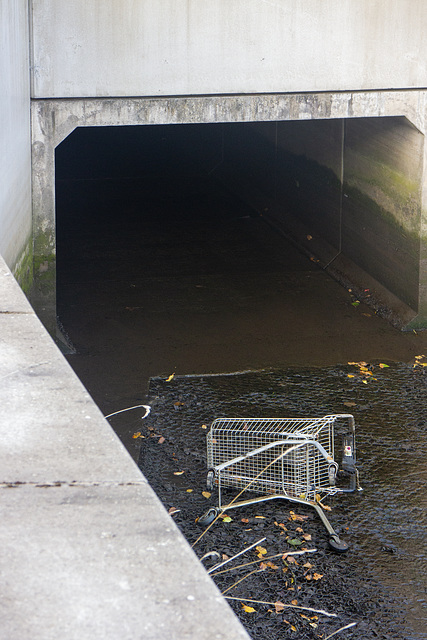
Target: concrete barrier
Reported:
point(88, 551)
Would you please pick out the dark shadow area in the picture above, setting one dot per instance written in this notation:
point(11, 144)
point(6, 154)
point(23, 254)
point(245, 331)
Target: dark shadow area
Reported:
point(162, 270)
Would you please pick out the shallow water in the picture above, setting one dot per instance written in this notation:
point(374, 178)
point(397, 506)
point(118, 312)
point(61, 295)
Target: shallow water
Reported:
point(195, 284)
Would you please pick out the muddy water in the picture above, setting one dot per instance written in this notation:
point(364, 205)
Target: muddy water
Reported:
point(184, 279)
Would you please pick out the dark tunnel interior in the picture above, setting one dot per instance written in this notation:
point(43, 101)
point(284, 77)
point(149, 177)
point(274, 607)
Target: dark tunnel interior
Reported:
point(163, 266)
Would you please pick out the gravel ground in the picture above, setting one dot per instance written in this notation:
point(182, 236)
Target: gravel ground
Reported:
point(173, 458)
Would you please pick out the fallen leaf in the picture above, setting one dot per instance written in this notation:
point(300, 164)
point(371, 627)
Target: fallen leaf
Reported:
point(227, 519)
point(289, 559)
point(271, 565)
point(260, 517)
point(383, 366)
point(138, 434)
point(309, 237)
point(161, 440)
point(279, 606)
point(308, 576)
point(206, 494)
point(355, 303)
point(189, 490)
point(308, 565)
point(294, 602)
point(348, 403)
point(245, 520)
point(297, 518)
point(262, 566)
point(178, 473)
point(307, 537)
point(313, 624)
point(204, 426)
point(317, 576)
point(350, 375)
point(261, 551)
point(325, 507)
point(169, 378)
point(299, 530)
point(295, 542)
point(248, 609)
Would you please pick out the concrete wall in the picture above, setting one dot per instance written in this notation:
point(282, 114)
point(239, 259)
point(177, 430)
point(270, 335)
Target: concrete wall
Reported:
point(348, 191)
point(194, 47)
point(15, 147)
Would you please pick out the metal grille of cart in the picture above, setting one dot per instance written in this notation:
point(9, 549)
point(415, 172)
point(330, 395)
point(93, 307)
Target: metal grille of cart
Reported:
point(290, 458)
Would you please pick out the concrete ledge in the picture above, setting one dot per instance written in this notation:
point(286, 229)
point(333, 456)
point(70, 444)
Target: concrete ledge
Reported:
point(88, 551)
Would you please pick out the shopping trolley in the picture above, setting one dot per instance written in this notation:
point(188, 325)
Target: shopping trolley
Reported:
point(287, 458)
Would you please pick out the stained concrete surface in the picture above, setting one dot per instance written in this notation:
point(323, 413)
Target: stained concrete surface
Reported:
point(172, 274)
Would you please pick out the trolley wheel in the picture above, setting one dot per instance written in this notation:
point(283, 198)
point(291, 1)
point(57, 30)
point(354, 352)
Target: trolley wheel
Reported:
point(208, 517)
point(338, 545)
point(210, 480)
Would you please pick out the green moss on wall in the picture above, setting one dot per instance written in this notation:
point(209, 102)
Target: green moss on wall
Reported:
point(23, 270)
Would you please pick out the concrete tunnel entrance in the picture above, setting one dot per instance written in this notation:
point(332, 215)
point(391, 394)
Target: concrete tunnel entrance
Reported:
point(206, 248)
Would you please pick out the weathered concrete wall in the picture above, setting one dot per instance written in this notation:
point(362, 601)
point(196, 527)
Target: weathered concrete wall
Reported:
point(190, 47)
point(15, 153)
point(383, 165)
point(349, 186)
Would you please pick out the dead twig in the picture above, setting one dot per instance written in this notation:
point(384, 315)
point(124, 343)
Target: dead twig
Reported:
point(276, 555)
point(290, 606)
point(217, 566)
point(241, 579)
point(347, 626)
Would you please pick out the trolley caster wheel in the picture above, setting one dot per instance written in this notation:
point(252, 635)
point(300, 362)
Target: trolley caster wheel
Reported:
point(210, 480)
point(338, 545)
point(208, 517)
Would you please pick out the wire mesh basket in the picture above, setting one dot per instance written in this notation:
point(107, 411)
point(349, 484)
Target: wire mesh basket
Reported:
point(290, 458)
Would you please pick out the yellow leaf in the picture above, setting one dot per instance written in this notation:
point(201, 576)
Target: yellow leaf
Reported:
point(206, 494)
point(227, 519)
point(350, 375)
point(365, 381)
point(138, 434)
point(383, 366)
point(248, 609)
point(204, 426)
point(178, 473)
point(296, 517)
point(293, 628)
point(317, 576)
point(260, 517)
point(261, 551)
point(189, 490)
point(171, 377)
